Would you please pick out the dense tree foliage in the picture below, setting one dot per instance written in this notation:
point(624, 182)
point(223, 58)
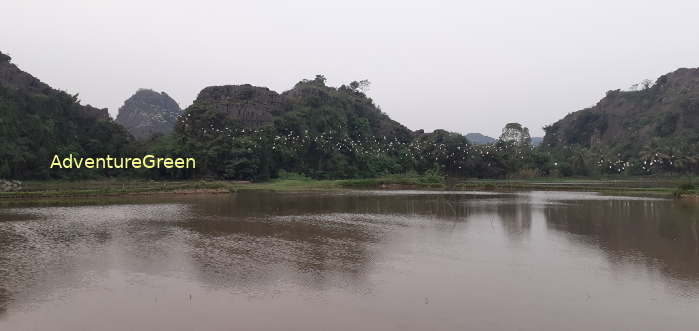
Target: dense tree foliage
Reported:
point(654, 130)
point(35, 126)
point(324, 132)
point(340, 133)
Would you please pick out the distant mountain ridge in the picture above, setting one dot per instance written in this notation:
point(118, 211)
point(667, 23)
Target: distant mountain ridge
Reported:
point(479, 139)
point(536, 141)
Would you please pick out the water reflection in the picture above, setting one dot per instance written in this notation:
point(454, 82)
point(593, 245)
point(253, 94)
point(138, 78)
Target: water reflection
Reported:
point(311, 251)
point(381, 246)
point(659, 235)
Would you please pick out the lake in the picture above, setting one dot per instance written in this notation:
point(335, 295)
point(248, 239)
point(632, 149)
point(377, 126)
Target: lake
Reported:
point(352, 260)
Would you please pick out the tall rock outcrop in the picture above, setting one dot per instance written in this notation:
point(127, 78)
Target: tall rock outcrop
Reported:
point(148, 113)
point(227, 107)
point(516, 133)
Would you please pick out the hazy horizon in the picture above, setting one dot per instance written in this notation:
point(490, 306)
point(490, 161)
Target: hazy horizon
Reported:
point(464, 67)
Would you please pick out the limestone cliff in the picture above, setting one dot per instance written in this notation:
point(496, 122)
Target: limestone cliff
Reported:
point(148, 113)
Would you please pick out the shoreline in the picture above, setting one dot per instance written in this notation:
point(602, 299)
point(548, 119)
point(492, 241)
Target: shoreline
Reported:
point(48, 191)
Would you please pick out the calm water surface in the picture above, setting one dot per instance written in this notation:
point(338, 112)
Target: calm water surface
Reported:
point(405, 260)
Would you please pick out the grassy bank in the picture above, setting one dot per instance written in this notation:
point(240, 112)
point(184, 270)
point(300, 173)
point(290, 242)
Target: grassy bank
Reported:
point(104, 187)
point(667, 187)
point(33, 190)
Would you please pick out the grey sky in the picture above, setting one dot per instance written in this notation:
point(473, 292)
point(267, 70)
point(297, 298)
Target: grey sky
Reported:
point(465, 66)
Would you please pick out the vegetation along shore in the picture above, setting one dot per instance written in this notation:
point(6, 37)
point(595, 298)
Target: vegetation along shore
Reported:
point(62, 191)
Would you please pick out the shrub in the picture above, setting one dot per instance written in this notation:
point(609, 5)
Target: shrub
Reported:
point(687, 187)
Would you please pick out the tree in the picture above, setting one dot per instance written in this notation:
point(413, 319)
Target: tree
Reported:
point(360, 86)
point(320, 80)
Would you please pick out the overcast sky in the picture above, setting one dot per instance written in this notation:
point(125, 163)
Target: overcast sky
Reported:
point(465, 66)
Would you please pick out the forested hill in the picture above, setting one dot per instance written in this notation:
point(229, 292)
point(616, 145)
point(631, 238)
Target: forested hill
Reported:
point(243, 131)
point(664, 115)
point(37, 121)
point(310, 106)
point(315, 107)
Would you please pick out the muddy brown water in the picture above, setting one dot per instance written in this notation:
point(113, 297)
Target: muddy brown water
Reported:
point(381, 260)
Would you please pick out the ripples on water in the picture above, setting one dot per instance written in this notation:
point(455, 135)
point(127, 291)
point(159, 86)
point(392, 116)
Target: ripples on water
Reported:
point(353, 260)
